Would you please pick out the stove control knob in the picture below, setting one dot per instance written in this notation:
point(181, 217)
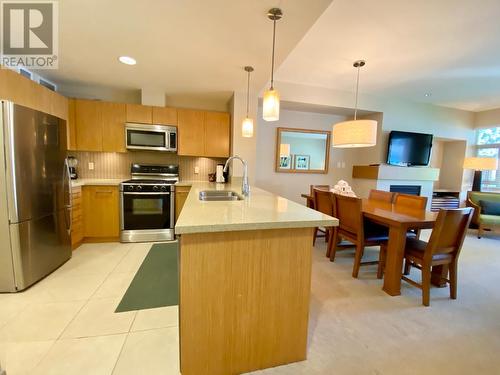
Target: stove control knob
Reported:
point(156, 188)
point(130, 187)
point(138, 188)
point(164, 188)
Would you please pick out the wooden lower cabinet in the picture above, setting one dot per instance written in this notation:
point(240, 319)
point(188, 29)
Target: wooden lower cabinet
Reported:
point(244, 299)
point(100, 213)
point(76, 218)
point(181, 193)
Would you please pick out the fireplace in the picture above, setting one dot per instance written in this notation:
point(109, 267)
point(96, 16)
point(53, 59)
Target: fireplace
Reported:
point(406, 189)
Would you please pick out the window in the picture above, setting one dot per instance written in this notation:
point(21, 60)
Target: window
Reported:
point(488, 145)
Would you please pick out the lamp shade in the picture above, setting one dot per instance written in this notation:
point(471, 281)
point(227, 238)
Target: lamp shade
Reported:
point(355, 133)
point(481, 164)
point(284, 149)
point(247, 128)
point(271, 105)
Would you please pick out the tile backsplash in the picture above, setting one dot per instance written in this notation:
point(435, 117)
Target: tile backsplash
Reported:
point(117, 165)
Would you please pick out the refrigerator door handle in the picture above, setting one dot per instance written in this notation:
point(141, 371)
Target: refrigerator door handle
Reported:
point(68, 207)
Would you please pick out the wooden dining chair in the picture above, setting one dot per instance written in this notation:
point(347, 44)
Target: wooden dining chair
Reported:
point(411, 201)
point(323, 204)
point(352, 228)
point(443, 248)
point(380, 195)
point(318, 230)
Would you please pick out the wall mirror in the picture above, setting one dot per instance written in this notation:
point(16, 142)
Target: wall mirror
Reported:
point(302, 150)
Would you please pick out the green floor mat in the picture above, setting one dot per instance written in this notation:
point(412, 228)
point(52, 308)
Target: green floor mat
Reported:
point(156, 283)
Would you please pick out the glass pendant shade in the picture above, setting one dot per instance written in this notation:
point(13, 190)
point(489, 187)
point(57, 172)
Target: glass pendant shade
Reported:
point(271, 105)
point(356, 133)
point(247, 128)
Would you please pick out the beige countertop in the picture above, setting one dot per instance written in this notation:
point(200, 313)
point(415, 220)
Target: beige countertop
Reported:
point(261, 210)
point(115, 182)
point(97, 182)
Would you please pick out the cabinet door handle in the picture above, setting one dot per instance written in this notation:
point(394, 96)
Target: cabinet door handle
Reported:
point(104, 191)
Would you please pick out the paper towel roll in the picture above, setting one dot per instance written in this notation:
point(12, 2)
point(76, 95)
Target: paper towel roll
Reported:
point(220, 173)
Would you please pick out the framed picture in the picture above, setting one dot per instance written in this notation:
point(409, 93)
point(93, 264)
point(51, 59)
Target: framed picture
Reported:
point(285, 162)
point(302, 162)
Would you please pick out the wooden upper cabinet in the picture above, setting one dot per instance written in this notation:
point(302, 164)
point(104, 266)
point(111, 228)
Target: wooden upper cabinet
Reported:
point(113, 117)
point(25, 92)
point(217, 134)
point(88, 125)
point(139, 113)
point(191, 132)
point(71, 126)
point(165, 116)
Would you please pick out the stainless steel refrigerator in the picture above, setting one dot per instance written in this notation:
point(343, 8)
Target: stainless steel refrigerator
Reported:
point(35, 196)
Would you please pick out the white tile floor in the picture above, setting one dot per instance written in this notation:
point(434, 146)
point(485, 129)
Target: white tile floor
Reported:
point(66, 323)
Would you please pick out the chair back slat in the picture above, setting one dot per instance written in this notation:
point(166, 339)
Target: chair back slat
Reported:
point(321, 187)
point(380, 195)
point(348, 211)
point(411, 201)
point(449, 231)
point(323, 201)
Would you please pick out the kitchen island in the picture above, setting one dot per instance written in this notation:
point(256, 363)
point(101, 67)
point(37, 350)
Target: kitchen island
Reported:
point(245, 279)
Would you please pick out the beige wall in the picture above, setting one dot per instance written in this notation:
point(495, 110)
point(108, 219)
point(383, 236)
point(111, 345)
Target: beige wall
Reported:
point(485, 119)
point(291, 185)
point(451, 176)
point(397, 114)
point(437, 158)
point(241, 146)
point(392, 114)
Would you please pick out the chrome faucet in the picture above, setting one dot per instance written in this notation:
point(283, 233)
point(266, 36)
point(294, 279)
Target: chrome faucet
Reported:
point(245, 188)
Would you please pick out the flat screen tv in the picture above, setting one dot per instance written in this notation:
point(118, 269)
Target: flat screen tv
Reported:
point(407, 149)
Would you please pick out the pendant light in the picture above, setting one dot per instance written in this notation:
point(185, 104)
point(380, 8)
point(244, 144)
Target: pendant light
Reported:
point(355, 133)
point(247, 125)
point(271, 102)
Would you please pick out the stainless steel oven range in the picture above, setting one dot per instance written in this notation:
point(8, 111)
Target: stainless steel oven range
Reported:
point(147, 203)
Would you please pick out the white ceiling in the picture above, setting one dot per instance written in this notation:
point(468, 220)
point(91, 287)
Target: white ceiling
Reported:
point(185, 47)
point(449, 48)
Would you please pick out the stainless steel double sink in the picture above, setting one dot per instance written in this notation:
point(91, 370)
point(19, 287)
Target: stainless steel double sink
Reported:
point(219, 195)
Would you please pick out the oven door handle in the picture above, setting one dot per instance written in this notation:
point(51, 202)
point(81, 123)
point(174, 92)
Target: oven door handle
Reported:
point(145, 193)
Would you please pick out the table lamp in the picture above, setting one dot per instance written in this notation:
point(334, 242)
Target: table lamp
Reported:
point(480, 164)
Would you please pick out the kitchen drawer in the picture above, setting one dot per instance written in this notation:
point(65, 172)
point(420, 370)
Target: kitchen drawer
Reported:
point(76, 193)
point(76, 234)
point(76, 216)
point(77, 200)
point(76, 207)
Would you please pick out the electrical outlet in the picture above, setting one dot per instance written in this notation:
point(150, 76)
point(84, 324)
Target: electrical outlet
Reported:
point(91, 166)
point(196, 170)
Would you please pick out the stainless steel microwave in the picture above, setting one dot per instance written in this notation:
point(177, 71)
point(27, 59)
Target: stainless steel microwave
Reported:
point(150, 137)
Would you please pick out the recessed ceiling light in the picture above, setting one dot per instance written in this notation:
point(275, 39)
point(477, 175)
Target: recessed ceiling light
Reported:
point(127, 60)
point(427, 94)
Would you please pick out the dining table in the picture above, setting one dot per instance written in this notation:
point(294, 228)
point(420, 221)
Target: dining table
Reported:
point(400, 220)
